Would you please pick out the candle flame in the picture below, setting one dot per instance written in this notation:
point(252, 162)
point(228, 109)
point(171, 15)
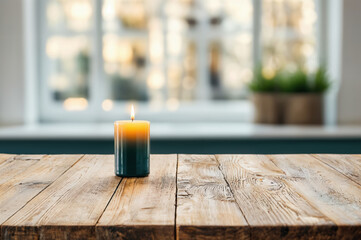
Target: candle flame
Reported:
point(132, 113)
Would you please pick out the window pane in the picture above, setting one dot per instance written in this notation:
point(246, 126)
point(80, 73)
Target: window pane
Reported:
point(230, 56)
point(124, 66)
point(289, 33)
point(67, 51)
point(214, 40)
point(179, 51)
point(125, 50)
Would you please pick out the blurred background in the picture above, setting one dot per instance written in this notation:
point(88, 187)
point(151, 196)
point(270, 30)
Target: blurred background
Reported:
point(69, 68)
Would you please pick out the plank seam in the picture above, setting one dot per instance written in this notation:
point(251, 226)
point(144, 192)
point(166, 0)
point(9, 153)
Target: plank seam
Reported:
point(110, 199)
point(176, 199)
point(43, 189)
point(325, 163)
point(231, 190)
point(83, 155)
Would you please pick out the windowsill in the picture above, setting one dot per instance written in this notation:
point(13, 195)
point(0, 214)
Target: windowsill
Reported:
point(186, 112)
point(104, 131)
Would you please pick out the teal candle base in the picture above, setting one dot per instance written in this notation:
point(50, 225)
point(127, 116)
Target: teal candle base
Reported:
point(131, 176)
point(132, 159)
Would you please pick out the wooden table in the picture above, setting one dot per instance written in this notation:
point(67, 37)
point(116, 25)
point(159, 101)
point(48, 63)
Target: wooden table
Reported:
point(184, 197)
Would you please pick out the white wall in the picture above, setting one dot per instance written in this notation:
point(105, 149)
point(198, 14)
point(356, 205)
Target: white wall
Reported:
point(349, 98)
point(11, 62)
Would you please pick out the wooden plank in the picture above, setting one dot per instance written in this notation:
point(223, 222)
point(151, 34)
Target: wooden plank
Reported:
point(70, 207)
point(23, 177)
point(349, 165)
point(17, 164)
point(8, 168)
point(4, 157)
point(329, 191)
point(206, 208)
point(273, 209)
point(143, 208)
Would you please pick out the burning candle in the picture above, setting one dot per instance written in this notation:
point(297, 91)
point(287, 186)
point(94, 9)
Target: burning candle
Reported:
point(131, 142)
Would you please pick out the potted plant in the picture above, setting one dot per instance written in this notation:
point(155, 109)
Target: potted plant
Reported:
point(265, 97)
point(289, 97)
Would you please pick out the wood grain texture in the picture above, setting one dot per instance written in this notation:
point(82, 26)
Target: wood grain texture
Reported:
point(70, 207)
point(206, 208)
point(143, 208)
point(273, 209)
point(4, 157)
point(23, 177)
point(15, 165)
point(349, 165)
point(184, 197)
point(333, 194)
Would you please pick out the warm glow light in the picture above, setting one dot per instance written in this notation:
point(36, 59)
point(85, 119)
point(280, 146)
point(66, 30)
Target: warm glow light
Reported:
point(156, 48)
point(268, 72)
point(307, 49)
point(107, 105)
point(65, 47)
point(125, 54)
point(80, 10)
point(78, 14)
point(75, 104)
point(174, 44)
point(156, 80)
point(53, 47)
point(155, 41)
point(108, 11)
point(132, 113)
point(110, 47)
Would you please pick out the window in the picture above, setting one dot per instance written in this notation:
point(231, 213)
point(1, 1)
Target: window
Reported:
point(173, 59)
point(289, 34)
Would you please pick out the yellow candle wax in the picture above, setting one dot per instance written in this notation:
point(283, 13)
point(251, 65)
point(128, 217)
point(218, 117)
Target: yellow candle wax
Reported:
point(131, 130)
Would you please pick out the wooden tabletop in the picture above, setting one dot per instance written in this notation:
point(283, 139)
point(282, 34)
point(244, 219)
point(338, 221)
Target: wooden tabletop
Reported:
point(184, 197)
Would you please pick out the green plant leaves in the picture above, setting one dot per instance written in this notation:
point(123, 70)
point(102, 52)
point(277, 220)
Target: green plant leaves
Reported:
point(321, 82)
point(298, 81)
point(262, 84)
point(295, 82)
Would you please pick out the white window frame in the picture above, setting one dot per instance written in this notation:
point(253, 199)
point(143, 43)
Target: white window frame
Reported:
point(199, 110)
